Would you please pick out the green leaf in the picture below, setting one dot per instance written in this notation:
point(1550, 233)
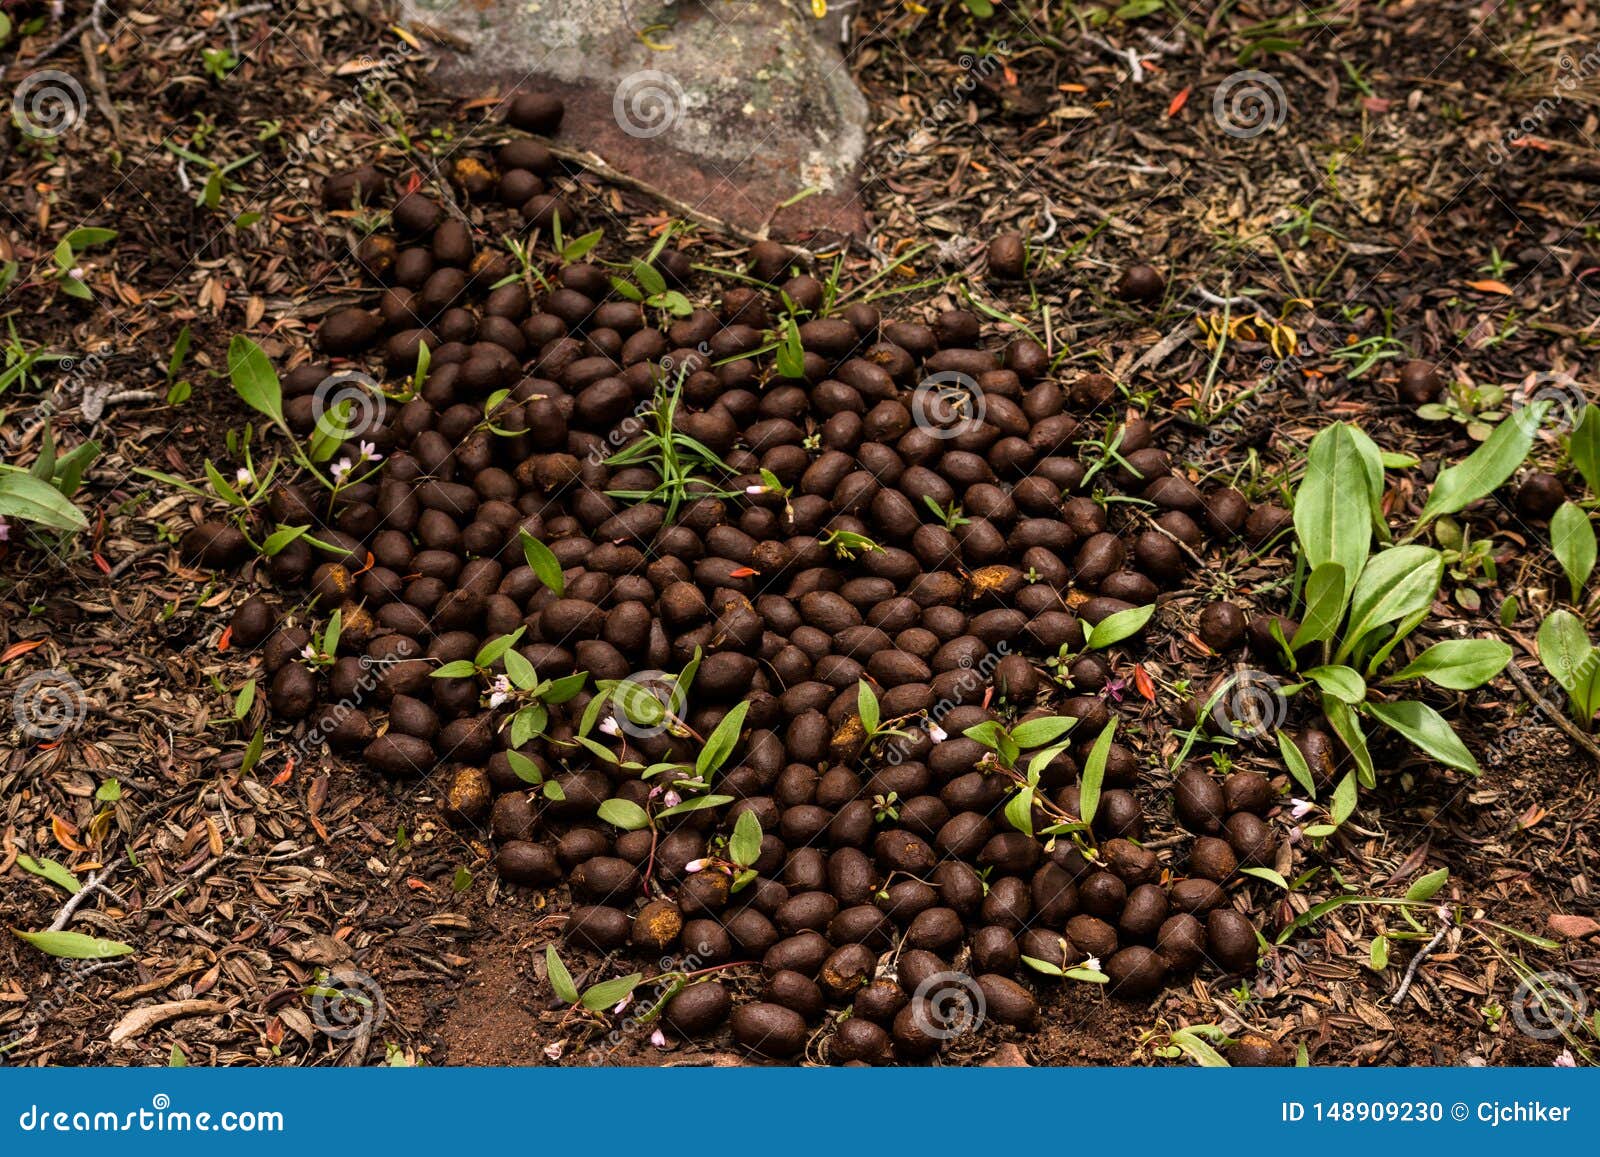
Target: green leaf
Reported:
point(254, 379)
point(280, 538)
point(1342, 718)
point(625, 814)
point(609, 992)
point(1428, 886)
point(697, 803)
point(74, 945)
point(1297, 765)
point(247, 696)
point(1344, 800)
point(1458, 664)
point(521, 673)
point(552, 791)
point(564, 689)
point(524, 768)
point(252, 751)
point(111, 791)
point(745, 843)
point(1572, 540)
point(1332, 510)
point(1584, 446)
point(1266, 874)
point(1094, 773)
point(560, 979)
point(527, 723)
point(720, 743)
point(543, 563)
point(867, 707)
point(1340, 682)
point(1115, 628)
point(56, 873)
point(1395, 583)
point(1564, 649)
point(1199, 1050)
point(1019, 811)
point(1038, 732)
point(1325, 599)
point(1486, 469)
point(80, 239)
point(1378, 956)
point(495, 648)
point(459, 669)
point(1425, 728)
point(25, 497)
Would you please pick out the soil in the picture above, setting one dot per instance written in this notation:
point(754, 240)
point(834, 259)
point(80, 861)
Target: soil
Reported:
point(1378, 214)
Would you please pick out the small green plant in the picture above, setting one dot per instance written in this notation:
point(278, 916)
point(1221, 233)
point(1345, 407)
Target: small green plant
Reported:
point(846, 544)
point(218, 62)
point(519, 684)
point(678, 460)
point(1478, 408)
point(43, 494)
point(69, 273)
point(1360, 604)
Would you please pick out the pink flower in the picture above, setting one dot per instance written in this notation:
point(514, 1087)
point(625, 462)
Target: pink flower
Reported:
point(1092, 964)
point(622, 1004)
point(696, 865)
point(339, 469)
point(499, 690)
point(659, 1039)
point(242, 475)
point(308, 652)
point(936, 733)
point(5, 531)
point(369, 452)
point(608, 726)
point(1566, 1060)
point(754, 491)
point(672, 799)
point(1301, 808)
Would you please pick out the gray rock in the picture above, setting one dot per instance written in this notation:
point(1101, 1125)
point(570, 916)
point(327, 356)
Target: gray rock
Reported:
point(752, 106)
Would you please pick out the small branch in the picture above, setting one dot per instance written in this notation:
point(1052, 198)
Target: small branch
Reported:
point(90, 886)
point(1416, 962)
point(1570, 729)
point(56, 46)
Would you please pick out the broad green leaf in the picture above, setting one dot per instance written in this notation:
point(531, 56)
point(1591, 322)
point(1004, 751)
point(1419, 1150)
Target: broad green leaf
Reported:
point(1340, 682)
point(254, 379)
point(1426, 729)
point(56, 873)
point(1342, 718)
point(496, 647)
point(524, 768)
point(1038, 732)
point(520, 671)
point(280, 538)
point(745, 843)
point(564, 689)
point(1486, 469)
point(867, 707)
point(1266, 874)
point(611, 992)
point(1325, 598)
point(1115, 628)
point(1297, 765)
point(74, 945)
point(1572, 540)
point(1395, 583)
point(1198, 1050)
point(543, 562)
point(1332, 509)
point(560, 979)
point(625, 814)
point(1378, 956)
point(1428, 886)
point(1344, 800)
point(459, 669)
point(27, 498)
point(1458, 664)
point(1564, 649)
point(720, 743)
point(1584, 447)
point(1094, 773)
point(1019, 811)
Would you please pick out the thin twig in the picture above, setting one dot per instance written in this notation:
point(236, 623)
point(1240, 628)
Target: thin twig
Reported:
point(90, 886)
point(1416, 962)
point(1525, 685)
